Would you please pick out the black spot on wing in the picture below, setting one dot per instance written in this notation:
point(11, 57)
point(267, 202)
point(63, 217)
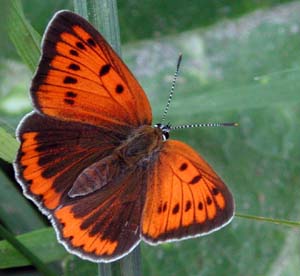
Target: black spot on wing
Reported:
point(183, 167)
point(119, 88)
point(215, 191)
point(176, 209)
point(74, 67)
point(91, 42)
point(69, 101)
point(71, 94)
point(73, 53)
point(80, 45)
point(208, 200)
point(200, 205)
point(195, 180)
point(104, 70)
point(188, 205)
point(70, 80)
point(165, 207)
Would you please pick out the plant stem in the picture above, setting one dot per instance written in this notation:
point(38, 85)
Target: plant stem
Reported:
point(272, 220)
point(104, 16)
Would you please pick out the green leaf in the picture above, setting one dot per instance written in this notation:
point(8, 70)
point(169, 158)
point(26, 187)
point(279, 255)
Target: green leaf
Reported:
point(23, 36)
point(80, 7)
point(8, 146)
point(28, 254)
point(20, 216)
point(105, 19)
point(42, 243)
point(75, 266)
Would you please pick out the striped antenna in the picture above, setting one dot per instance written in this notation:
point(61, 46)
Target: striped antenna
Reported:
point(172, 88)
point(168, 126)
point(205, 125)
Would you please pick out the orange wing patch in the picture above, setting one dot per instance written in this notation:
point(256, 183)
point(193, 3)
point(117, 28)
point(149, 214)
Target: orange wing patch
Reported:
point(78, 237)
point(80, 78)
point(32, 172)
point(185, 197)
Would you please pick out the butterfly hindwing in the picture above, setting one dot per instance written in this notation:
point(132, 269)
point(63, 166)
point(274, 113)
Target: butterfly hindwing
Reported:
point(104, 225)
point(52, 154)
point(185, 197)
point(81, 78)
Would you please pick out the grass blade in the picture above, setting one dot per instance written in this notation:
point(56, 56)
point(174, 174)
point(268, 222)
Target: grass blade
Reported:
point(40, 242)
point(20, 216)
point(23, 36)
point(8, 146)
point(32, 258)
point(131, 264)
point(290, 223)
point(80, 7)
point(104, 16)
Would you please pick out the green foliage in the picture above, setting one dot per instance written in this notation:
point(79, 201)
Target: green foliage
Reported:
point(153, 18)
point(21, 33)
point(11, 255)
point(8, 146)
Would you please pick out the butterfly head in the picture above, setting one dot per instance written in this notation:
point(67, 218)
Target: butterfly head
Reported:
point(165, 130)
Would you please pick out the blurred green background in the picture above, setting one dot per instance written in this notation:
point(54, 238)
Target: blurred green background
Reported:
point(240, 63)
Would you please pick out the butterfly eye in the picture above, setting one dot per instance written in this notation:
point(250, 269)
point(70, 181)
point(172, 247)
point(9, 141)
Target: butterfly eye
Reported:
point(165, 130)
point(166, 135)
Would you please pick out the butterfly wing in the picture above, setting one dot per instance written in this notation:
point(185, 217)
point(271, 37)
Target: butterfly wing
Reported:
point(80, 78)
point(104, 225)
point(87, 102)
point(53, 153)
point(185, 197)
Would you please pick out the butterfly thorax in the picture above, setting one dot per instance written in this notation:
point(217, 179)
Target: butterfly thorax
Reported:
point(142, 145)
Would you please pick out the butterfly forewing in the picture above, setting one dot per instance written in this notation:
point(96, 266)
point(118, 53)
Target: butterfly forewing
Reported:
point(81, 78)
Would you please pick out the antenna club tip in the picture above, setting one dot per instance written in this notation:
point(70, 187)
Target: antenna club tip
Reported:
point(179, 61)
point(230, 124)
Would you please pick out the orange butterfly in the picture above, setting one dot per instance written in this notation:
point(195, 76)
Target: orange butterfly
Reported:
point(91, 161)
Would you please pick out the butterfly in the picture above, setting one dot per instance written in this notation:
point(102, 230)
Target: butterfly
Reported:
point(91, 160)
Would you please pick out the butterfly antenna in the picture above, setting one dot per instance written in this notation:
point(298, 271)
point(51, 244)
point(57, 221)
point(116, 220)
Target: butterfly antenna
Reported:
point(205, 125)
point(172, 88)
